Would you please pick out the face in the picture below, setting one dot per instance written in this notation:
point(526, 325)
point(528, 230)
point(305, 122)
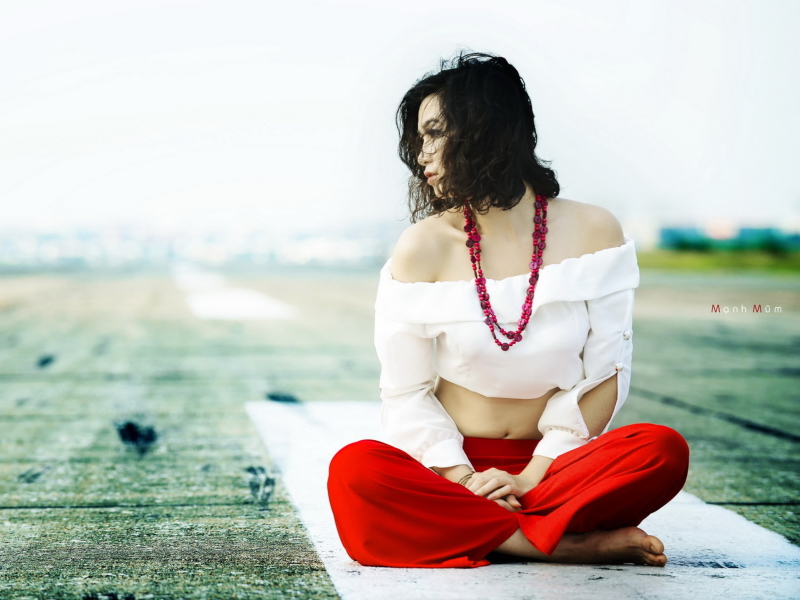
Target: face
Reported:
point(431, 130)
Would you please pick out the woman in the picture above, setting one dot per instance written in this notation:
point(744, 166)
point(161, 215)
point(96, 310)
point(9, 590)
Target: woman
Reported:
point(503, 327)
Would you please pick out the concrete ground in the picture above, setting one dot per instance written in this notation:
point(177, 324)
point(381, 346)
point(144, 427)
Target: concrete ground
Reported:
point(83, 515)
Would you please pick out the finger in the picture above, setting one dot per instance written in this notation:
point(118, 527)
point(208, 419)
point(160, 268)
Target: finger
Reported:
point(474, 482)
point(490, 486)
point(512, 500)
point(495, 486)
point(505, 505)
point(484, 484)
point(500, 492)
point(477, 481)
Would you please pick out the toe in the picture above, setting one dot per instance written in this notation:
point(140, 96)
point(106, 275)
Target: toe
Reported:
point(656, 561)
point(654, 545)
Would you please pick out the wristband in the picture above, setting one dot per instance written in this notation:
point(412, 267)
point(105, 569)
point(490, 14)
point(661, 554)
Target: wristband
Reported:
point(465, 478)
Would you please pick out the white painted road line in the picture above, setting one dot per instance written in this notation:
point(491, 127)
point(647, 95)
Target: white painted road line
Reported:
point(237, 304)
point(209, 297)
point(713, 553)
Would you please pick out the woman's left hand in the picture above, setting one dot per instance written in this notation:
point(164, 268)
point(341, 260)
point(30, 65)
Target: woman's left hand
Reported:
point(494, 483)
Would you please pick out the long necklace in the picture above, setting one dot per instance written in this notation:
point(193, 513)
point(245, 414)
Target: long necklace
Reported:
point(474, 245)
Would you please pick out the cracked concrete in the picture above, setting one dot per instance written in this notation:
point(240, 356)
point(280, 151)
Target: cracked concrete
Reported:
point(83, 516)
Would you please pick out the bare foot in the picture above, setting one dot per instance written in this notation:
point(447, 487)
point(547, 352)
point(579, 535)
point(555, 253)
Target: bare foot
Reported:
point(624, 545)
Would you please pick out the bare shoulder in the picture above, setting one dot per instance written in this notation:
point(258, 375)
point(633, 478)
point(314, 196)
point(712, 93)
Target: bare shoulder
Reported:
point(598, 227)
point(421, 248)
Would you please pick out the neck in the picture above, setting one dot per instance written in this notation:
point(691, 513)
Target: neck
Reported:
point(515, 223)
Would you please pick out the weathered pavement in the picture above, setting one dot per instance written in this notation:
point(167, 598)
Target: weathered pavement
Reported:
point(83, 515)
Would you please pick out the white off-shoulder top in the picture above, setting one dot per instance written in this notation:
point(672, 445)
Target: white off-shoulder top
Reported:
point(579, 335)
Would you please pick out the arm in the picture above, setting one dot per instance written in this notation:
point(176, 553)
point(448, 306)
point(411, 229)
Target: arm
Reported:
point(596, 406)
point(533, 473)
point(607, 358)
point(453, 473)
point(412, 417)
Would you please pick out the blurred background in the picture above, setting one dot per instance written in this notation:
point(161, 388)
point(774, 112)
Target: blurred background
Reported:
point(245, 132)
point(196, 198)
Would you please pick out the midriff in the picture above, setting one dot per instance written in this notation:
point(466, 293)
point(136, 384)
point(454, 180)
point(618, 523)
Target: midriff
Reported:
point(476, 415)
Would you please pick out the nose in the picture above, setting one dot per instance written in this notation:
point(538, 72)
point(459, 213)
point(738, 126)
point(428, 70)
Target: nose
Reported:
point(423, 158)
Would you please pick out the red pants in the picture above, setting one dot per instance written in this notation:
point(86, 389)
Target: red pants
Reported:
point(391, 511)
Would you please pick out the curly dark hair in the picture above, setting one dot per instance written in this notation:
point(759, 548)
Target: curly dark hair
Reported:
point(488, 152)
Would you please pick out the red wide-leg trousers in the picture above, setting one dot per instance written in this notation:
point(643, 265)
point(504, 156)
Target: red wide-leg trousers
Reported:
point(391, 511)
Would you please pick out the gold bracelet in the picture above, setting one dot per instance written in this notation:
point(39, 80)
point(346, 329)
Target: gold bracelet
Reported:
point(465, 478)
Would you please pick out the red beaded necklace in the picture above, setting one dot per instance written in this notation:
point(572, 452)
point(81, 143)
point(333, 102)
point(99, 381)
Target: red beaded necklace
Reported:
point(474, 245)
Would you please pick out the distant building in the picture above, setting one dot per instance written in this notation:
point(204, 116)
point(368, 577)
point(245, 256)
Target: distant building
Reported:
point(771, 239)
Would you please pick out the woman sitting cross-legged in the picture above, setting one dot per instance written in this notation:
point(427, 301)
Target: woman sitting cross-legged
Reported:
point(503, 326)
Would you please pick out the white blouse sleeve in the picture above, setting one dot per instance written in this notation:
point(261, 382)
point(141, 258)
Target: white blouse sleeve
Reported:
point(412, 417)
point(608, 351)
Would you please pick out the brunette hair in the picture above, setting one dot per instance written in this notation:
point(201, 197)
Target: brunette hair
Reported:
point(489, 148)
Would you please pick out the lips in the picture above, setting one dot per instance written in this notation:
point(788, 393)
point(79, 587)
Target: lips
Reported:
point(429, 175)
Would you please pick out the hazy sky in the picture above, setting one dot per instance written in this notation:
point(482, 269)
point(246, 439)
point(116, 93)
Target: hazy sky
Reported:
point(180, 113)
